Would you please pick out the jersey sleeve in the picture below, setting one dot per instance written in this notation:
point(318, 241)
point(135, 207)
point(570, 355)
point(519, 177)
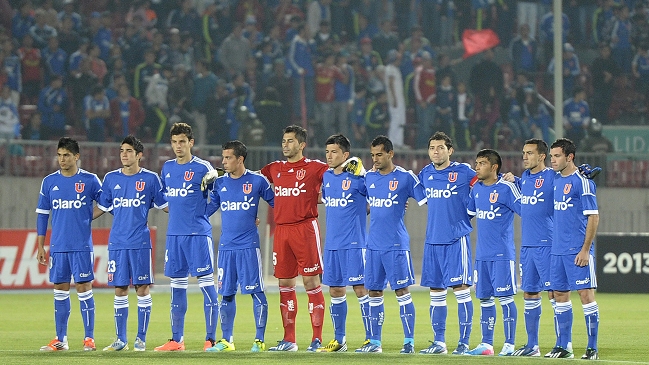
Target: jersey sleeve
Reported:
point(266, 171)
point(96, 188)
point(266, 191)
point(362, 188)
point(514, 198)
point(159, 200)
point(417, 189)
point(106, 198)
point(470, 208)
point(589, 199)
point(214, 199)
point(44, 205)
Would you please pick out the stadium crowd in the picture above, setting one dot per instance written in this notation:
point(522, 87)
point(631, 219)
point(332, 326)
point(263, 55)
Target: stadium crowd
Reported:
point(245, 69)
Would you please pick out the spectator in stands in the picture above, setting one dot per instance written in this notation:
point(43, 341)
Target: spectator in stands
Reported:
point(32, 72)
point(185, 19)
point(639, 26)
point(132, 42)
point(358, 127)
point(396, 98)
point(317, 11)
point(12, 66)
point(74, 62)
point(156, 97)
point(239, 112)
point(369, 58)
point(68, 12)
point(55, 60)
point(518, 127)
point(300, 57)
point(445, 67)
point(51, 16)
point(523, 51)
point(80, 86)
point(603, 21)
point(187, 49)
point(126, 114)
point(377, 118)
point(547, 33)
point(462, 111)
point(640, 68)
point(273, 114)
point(603, 71)
point(281, 81)
point(446, 100)
point(621, 40)
point(40, 31)
point(23, 21)
point(484, 76)
point(235, 51)
point(595, 142)
point(343, 93)
point(216, 108)
point(287, 15)
point(576, 115)
point(431, 14)
point(385, 39)
point(506, 20)
point(325, 74)
point(31, 131)
point(425, 89)
point(366, 29)
point(486, 116)
point(416, 33)
point(204, 86)
point(97, 65)
point(142, 9)
point(537, 116)
point(117, 80)
point(9, 121)
point(210, 32)
point(143, 72)
point(324, 40)
point(180, 91)
point(69, 39)
point(100, 33)
point(52, 103)
point(96, 110)
point(159, 48)
point(251, 9)
point(570, 67)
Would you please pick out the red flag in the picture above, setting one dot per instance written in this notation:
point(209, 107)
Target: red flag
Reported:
point(476, 41)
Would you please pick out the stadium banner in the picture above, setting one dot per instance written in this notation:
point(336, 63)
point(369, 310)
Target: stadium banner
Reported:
point(628, 139)
point(19, 268)
point(622, 262)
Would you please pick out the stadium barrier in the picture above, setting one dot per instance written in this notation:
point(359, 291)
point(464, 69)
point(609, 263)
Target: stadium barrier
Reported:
point(19, 268)
point(622, 262)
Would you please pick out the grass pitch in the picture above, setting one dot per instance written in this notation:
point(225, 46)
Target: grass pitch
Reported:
point(27, 323)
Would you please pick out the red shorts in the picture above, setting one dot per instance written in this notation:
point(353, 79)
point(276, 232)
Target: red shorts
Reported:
point(296, 250)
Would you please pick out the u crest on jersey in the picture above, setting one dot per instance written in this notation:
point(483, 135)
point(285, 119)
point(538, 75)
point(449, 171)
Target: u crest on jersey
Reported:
point(301, 174)
point(566, 188)
point(139, 185)
point(346, 184)
point(79, 187)
point(247, 188)
point(493, 197)
point(189, 175)
point(393, 185)
point(452, 176)
point(538, 183)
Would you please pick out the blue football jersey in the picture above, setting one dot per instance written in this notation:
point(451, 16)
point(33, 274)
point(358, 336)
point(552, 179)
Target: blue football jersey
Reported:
point(187, 203)
point(238, 200)
point(494, 207)
point(574, 201)
point(447, 194)
point(537, 207)
point(387, 196)
point(344, 196)
point(129, 199)
point(69, 201)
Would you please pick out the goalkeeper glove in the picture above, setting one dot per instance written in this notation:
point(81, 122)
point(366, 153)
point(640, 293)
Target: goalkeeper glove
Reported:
point(354, 166)
point(589, 172)
point(211, 176)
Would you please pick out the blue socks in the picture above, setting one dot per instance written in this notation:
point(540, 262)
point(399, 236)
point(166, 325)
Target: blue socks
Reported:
point(510, 315)
point(178, 307)
point(488, 319)
point(211, 305)
point(377, 314)
point(120, 304)
point(144, 304)
point(591, 314)
point(61, 313)
point(364, 303)
point(563, 315)
point(464, 313)
point(227, 310)
point(260, 309)
point(438, 313)
point(407, 314)
point(87, 306)
point(532, 315)
point(338, 310)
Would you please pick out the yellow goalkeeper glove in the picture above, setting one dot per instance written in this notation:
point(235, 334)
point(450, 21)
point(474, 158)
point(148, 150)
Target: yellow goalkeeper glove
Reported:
point(211, 176)
point(354, 166)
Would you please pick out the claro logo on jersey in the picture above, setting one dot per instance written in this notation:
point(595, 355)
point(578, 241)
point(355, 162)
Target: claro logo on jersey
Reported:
point(536, 197)
point(432, 193)
point(488, 214)
point(563, 205)
point(129, 202)
point(294, 191)
point(383, 203)
point(338, 202)
point(182, 192)
point(244, 205)
point(69, 204)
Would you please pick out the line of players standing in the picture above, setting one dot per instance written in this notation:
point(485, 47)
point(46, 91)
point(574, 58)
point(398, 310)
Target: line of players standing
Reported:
point(555, 257)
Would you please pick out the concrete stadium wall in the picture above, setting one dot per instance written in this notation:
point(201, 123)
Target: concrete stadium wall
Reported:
point(621, 210)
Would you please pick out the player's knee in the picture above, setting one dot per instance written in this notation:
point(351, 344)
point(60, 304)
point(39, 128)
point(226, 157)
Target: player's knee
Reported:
point(402, 291)
point(121, 290)
point(227, 299)
point(337, 291)
point(311, 282)
point(360, 290)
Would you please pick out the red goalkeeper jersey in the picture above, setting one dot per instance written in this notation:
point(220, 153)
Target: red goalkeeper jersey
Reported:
point(297, 186)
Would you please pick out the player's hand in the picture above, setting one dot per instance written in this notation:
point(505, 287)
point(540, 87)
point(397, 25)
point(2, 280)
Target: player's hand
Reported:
point(509, 177)
point(354, 166)
point(589, 172)
point(41, 257)
point(582, 258)
point(257, 221)
point(211, 176)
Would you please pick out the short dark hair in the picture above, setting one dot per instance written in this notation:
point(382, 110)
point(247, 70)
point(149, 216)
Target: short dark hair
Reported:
point(441, 136)
point(181, 128)
point(383, 140)
point(566, 145)
point(541, 146)
point(69, 144)
point(300, 133)
point(239, 149)
point(134, 142)
point(492, 156)
point(341, 141)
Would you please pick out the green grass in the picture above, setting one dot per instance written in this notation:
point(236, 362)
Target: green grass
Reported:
point(27, 323)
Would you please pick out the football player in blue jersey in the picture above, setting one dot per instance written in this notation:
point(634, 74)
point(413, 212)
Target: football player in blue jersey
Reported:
point(493, 201)
point(67, 196)
point(344, 196)
point(572, 262)
point(388, 243)
point(447, 253)
point(129, 193)
point(237, 194)
point(189, 249)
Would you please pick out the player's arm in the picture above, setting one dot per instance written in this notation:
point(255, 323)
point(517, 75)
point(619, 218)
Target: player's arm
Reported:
point(41, 230)
point(210, 177)
point(583, 256)
point(97, 212)
point(214, 204)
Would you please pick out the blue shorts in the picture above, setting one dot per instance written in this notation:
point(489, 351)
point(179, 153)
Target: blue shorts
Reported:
point(566, 276)
point(382, 267)
point(189, 255)
point(127, 267)
point(240, 268)
point(494, 278)
point(78, 265)
point(344, 267)
point(535, 269)
point(447, 266)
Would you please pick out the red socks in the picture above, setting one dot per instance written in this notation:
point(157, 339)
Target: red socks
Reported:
point(288, 308)
point(316, 310)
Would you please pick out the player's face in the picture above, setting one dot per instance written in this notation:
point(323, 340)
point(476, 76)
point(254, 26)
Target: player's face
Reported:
point(438, 152)
point(181, 145)
point(531, 156)
point(230, 162)
point(291, 147)
point(483, 168)
point(335, 155)
point(558, 159)
point(128, 155)
point(380, 158)
point(67, 160)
